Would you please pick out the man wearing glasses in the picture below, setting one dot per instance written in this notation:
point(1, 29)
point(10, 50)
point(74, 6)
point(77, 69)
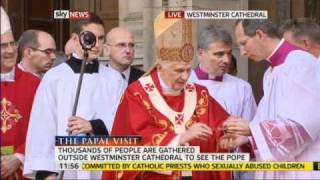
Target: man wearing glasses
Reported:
point(36, 52)
point(17, 93)
point(120, 48)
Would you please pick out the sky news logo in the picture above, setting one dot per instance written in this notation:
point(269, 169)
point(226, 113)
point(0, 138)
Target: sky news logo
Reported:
point(216, 14)
point(71, 14)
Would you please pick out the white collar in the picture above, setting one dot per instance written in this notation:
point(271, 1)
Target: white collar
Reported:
point(166, 89)
point(76, 55)
point(9, 76)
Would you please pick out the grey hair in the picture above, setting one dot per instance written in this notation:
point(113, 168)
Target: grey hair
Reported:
point(211, 34)
point(302, 27)
point(250, 26)
point(28, 39)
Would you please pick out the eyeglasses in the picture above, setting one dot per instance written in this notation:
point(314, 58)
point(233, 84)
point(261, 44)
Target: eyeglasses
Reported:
point(123, 45)
point(46, 51)
point(6, 45)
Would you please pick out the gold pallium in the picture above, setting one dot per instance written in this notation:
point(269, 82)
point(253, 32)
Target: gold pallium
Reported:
point(9, 115)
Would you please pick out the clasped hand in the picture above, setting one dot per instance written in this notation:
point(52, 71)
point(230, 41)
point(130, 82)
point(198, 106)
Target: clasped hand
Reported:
point(236, 132)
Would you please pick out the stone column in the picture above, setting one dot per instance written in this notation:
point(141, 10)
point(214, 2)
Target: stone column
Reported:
point(131, 17)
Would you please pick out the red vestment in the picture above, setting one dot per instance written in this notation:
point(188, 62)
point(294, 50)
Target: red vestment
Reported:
point(136, 115)
point(16, 102)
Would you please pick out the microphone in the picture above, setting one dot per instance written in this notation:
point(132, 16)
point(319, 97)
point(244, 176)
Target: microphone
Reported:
point(87, 40)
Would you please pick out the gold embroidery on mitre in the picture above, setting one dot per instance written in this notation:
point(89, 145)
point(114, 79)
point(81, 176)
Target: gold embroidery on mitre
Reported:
point(9, 115)
point(173, 39)
point(177, 54)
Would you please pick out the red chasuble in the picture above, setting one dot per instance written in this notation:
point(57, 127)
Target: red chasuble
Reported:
point(16, 102)
point(137, 115)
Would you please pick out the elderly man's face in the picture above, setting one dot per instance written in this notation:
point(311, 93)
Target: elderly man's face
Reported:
point(174, 74)
point(8, 52)
point(252, 47)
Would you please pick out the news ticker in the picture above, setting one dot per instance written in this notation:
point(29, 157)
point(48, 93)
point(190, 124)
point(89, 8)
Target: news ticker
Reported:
point(191, 14)
point(126, 153)
point(190, 166)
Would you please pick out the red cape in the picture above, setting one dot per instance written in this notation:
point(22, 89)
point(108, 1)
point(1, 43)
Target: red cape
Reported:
point(137, 116)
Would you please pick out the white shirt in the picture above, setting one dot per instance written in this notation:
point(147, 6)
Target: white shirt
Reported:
point(119, 85)
point(9, 76)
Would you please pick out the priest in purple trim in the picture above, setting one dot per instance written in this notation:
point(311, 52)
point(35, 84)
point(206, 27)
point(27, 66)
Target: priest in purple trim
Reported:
point(285, 127)
point(232, 93)
point(214, 55)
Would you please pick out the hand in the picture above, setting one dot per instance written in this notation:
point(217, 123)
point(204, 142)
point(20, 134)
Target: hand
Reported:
point(236, 125)
point(232, 141)
point(9, 164)
point(197, 131)
point(78, 125)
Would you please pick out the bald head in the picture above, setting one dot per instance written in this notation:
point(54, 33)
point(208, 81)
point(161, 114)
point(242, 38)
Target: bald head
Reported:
point(120, 47)
point(36, 51)
point(33, 38)
point(117, 33)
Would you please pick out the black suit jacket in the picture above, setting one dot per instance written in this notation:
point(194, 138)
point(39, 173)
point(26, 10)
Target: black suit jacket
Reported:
point(135, 74)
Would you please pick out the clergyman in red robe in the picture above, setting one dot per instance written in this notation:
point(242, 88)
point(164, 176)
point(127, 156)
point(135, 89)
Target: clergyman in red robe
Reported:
point(17, 92)
point(166, 110)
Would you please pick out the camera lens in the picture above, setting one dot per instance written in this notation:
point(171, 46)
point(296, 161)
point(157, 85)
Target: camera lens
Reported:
point(87, 40)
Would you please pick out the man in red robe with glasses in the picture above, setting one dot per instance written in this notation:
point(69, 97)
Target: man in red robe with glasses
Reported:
point(166, 110)
point(17, 93)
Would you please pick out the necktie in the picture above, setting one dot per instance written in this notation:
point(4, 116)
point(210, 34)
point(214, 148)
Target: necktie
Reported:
point(123, 76)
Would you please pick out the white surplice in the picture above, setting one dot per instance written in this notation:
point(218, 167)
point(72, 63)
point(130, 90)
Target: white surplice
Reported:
point(53, 106)
point(232, 93)
point(286, 125)
point(120, 83)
